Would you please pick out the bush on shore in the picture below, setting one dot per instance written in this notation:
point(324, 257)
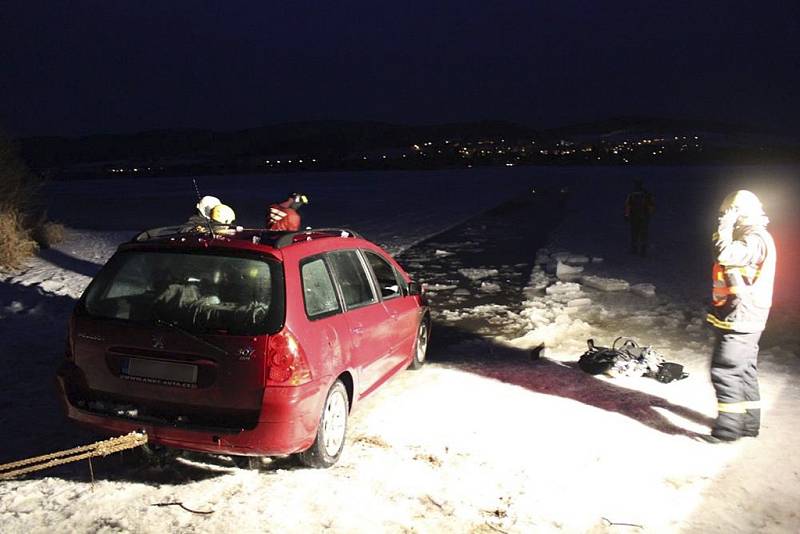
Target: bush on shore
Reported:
point(47, 233)
point(21, 218)
point(15, 242)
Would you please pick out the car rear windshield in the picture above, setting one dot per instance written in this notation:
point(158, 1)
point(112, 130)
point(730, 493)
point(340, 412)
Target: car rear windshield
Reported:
point(197, 292)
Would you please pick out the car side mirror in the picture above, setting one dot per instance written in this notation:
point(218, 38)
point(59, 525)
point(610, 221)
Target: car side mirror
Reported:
point(414, 288)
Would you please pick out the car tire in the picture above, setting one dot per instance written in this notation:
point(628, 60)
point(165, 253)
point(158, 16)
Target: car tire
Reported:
point(332, 429)
point(421, 344)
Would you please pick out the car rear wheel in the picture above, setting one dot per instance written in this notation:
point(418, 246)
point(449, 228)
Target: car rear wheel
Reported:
point(332, 429)
point(421, 344)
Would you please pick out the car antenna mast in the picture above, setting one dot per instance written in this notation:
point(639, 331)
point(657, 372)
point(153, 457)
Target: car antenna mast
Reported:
point(208, 221)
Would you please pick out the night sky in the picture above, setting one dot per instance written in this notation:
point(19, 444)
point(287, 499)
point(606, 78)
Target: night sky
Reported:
point(75, 68)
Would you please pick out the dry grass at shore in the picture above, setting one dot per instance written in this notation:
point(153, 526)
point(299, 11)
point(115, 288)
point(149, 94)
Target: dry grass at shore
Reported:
point(18, 189)
point(47, 234)
point(15, 242)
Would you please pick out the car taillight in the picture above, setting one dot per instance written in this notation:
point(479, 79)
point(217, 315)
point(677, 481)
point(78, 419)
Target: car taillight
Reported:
point(286, 362)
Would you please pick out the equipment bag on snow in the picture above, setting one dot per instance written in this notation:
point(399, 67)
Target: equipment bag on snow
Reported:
point(629, 359)
point(597, 360)
point(670, 371)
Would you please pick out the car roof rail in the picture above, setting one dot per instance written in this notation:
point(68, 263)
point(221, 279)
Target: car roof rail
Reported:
point(167, 231)
point(155, 233)
point(276, 239)
point(309, 234)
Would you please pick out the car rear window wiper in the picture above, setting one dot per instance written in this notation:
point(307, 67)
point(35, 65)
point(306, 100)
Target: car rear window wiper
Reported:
point(174, 326)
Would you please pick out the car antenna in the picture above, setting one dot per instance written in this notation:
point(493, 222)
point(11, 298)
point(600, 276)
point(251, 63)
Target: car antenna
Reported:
point(208, 221)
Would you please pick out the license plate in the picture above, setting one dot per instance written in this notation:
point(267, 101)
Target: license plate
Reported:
point(160, 371)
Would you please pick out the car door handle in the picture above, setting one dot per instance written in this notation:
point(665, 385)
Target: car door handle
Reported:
point(395, 317)
point(357, 330)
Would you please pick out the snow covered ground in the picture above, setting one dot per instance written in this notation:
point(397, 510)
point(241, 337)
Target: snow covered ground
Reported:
point(485, 438)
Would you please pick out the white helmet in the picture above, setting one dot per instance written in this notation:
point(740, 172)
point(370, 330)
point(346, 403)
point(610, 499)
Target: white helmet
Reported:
point(222, 214)
point(744, 202)
point(206, 204)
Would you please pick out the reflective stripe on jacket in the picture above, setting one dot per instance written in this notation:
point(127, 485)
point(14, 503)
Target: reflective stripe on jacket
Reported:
point(742, 280)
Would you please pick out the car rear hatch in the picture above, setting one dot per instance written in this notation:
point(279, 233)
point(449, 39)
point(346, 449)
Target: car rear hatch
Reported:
point(177, 338)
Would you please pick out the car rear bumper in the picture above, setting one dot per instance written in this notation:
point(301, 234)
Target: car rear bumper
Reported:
point(287, 423)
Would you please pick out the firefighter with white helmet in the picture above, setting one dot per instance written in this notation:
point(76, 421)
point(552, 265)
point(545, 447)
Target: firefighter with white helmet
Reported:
point(212, 215)
point(206, 204)
point(222, 214)
point(742, 281)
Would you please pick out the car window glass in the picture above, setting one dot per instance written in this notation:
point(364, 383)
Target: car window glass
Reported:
point(318, 290)
point(134, 278)
point(197, 292)
point(385, 275)
point(353, 279)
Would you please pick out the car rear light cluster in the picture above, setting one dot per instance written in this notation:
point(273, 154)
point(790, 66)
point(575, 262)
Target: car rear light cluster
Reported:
point(286, 361)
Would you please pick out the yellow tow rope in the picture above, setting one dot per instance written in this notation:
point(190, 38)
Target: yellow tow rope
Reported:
point(100, 448)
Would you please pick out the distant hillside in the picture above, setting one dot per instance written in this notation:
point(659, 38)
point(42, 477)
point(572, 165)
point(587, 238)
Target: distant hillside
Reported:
point(351, 145)
point(654, 125)
point(324, 138)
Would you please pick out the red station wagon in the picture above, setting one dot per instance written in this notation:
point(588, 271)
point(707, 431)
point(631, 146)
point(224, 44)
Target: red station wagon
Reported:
point(252, 343)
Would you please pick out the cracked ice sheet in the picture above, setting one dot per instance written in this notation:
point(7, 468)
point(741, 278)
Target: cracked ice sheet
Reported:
point(478, 273)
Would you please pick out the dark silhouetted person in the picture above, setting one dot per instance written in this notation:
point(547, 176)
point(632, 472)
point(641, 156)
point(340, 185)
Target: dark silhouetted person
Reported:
point(283, 216)
point(639, 207)
point(742, 280)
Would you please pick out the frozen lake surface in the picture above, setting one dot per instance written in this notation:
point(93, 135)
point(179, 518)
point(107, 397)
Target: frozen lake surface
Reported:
point(483, 439)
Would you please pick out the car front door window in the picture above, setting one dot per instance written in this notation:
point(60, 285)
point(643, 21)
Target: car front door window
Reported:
point(386, 276)
point(353, 279)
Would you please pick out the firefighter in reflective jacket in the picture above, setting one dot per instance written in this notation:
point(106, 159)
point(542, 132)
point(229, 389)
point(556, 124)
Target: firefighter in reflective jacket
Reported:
point(743, 276)
point(283, 216)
